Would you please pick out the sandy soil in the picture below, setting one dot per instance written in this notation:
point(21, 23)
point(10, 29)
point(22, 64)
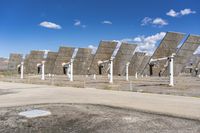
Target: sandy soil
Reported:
point(184, 85)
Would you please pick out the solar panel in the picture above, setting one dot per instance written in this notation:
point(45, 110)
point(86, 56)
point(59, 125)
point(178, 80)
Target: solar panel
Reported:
point(104, 52)
point(167, 46)
point(34, 58)
point(81, 61)
point(64, 56)
point(14, 60)
point(135, 63)
point(145, 61)
point(185, 52)
point(50, 62)
point(123, 56)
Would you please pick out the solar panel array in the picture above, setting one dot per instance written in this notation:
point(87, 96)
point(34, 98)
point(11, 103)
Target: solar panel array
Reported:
point(85, 62)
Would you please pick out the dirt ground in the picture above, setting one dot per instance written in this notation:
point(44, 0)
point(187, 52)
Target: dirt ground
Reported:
point(184, 85)
point(81, 118)
point(93, 118)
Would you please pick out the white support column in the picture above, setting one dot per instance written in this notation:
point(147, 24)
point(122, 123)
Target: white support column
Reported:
point(71, 69)
point(127, 65)
point(171, 71)
point(68, 66)
point(22, 70)
point(171, 67)
point(111, 70)
point(136, 76)
point(94, 76)
point(43, 71)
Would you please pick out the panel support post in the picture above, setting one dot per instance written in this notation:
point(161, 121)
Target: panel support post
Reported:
point(43, 76)
point(22, 70)
point(127, 65)
point(136, 76)
point(111, 70)
point(94, 76)
point(171, 70)
point(71, 69)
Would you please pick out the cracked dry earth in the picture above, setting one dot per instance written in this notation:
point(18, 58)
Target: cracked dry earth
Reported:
point(80, 118)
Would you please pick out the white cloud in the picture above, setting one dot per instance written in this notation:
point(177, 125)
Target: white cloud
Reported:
point(94, 48)
point(50, 25)
point(146, 21)
point(183, 12)
point(187, 11)
point(146, 44)
point(78, 23)
point(155, 22)
point(137, 39)
point(172, 13)
point(159, 21)
point(106, 22)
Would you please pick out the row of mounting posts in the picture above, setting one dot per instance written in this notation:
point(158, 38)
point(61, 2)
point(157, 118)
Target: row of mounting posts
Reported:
point(70, 69)
point(21, 65)
point(42, 65)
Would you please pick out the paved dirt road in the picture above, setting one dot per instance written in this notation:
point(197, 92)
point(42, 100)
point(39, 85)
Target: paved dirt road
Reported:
point(15, 94)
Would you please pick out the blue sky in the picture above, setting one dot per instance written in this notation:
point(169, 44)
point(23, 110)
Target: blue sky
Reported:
point(47, 24)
